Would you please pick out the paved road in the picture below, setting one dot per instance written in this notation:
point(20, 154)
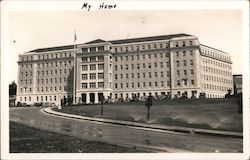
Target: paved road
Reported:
point(154, 140)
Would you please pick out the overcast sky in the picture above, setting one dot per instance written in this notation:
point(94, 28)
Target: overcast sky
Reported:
point(29, 30)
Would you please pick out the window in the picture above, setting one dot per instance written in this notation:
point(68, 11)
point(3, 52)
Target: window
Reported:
point(149, 84)
point(155, 74)
point(132, 75)
point(84, 59)
point(92, 85)
point(115, 85)
point(121, 75)
point(138, 66)
point(138, 75)
point(138, 57)
point(185, 82)
point(100, 66)
point(143, 65)
point(92, 59)
point(116, 67)
point(177, 63)
point(149, 56)
point(178, 72)
point(143, 56)
point(132, 66)
point(161, 74)
point(178, 83)
point(100, 84)
point(121, 66)
point(121, 85)
point(156, 84)
point(185, 72)
point(161, 64)
point(192, 82)
point(155, 64)
point(162, 84)
point(84, 76)
point(191, 62)
point(184, 63)
point(92, 67)
point(192, 71)
point(132, 58)
point(100, 76)
point(149, 65)
point(84, 68)
point(126, 66)
point(126, 75)
point(149, 74)
point(92, 76)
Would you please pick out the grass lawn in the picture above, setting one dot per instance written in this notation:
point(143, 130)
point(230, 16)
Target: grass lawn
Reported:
point(25, 139)
point(197, 113)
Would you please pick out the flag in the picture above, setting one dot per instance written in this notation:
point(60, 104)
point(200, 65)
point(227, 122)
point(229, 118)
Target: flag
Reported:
point(75, 37)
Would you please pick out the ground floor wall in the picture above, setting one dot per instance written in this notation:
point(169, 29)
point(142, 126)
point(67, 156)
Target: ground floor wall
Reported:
point(56, 98)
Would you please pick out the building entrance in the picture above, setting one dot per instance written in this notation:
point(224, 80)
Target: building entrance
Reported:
point(100, 95)
point(92, 97)
point(84, 98)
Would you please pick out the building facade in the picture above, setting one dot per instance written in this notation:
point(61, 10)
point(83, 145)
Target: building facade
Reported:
point(237, 81)
point(174, 65)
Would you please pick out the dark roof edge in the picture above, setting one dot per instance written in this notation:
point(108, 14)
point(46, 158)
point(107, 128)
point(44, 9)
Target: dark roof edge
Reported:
point(213, 48)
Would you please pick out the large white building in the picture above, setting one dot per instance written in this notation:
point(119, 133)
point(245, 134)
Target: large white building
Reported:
point(173, 65)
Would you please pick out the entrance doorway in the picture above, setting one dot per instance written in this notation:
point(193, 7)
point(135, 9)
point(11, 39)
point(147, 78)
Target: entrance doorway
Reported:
point(92, 97)
point(84, 98)
point(100, 96)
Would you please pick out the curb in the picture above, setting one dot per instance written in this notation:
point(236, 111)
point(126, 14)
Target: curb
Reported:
point(149, 126)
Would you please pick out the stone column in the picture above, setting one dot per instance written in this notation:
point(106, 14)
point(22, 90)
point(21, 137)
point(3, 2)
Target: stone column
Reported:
point(96, 97)
point(87, 98)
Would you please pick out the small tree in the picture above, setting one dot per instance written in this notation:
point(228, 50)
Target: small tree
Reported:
point(148, 104)
point(12, 88)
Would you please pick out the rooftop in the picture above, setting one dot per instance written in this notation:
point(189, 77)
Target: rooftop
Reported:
point(132, 40)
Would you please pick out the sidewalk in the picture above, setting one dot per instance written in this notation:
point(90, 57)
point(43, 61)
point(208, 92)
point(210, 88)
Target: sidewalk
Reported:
point(155, 127)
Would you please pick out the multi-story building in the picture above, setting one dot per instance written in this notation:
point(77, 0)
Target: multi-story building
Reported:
point(237, 81)
point(175, 65)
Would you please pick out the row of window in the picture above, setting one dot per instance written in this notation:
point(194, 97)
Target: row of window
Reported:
point(184, 82)
point(139, 56)
point(139, 65)
point(92, 76)
point(214, 53)
point(54, 88)
point(93, 49)
point(53, 80)
point(183, 43)
point(184, 53)
point(138, 95)
point(191, 62)
point(140, 84)
point(42, 98)
point(141, 47)
point(216, 79)
point(54, 64)
point(215, 62)
point(216, 87)
point(92, 59)
point(139, 75)
point(26, 66)
point(54, 72)
point(47, 72)
point(184, 72)
point(55, 55)
point(92, 85)
point(216, 71)
point(92, 67)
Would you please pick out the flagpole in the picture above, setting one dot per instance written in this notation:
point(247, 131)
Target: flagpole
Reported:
point(75, 66)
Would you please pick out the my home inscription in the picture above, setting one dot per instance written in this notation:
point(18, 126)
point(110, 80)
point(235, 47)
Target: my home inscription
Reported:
point(102, 6)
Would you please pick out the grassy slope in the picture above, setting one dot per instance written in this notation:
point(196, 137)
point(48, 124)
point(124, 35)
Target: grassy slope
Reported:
point(208, 114)
point(25, 139)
